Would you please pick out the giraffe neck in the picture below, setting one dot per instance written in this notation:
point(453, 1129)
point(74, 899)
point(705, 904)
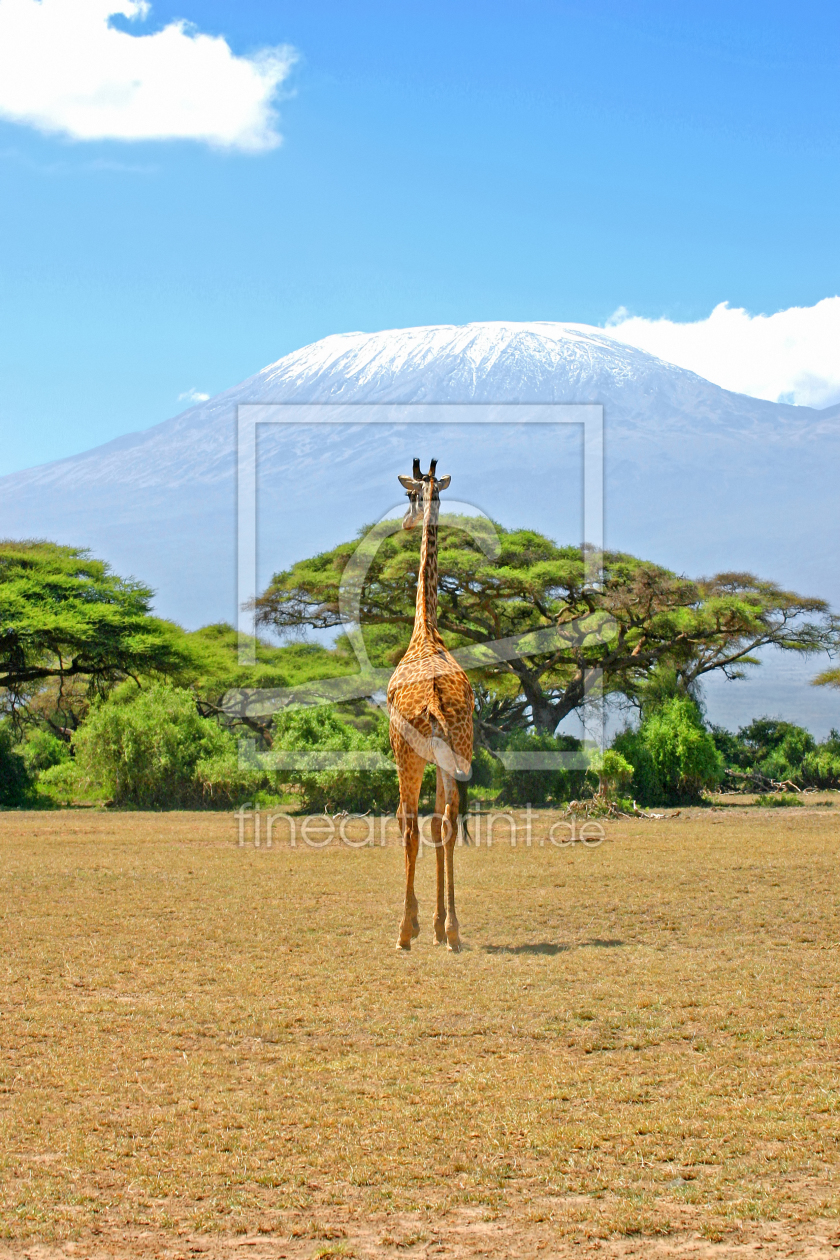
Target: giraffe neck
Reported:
point(425, 609)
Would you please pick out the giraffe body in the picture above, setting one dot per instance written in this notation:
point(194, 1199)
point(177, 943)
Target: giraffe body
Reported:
point(430, 702)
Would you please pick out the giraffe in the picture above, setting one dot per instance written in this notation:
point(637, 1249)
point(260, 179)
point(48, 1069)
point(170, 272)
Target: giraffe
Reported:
point(430, 702)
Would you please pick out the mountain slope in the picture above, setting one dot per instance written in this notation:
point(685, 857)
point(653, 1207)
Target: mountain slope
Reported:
point(696, 477)
point(476, 363)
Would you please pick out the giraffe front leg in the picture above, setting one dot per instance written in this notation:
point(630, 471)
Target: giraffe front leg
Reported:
point(410, 926)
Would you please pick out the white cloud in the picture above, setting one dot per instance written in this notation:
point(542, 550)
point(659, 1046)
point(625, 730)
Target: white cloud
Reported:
point(193, 396)
point(64, 69)
point(792, 356)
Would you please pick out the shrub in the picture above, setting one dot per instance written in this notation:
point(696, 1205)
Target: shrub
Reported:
point(317, 731)
point(733, 750)
point(821, 766)
point(15, 781)
point(536, 787)
point(222, 780)
point(672, 754)
point(151, 749)
point(63, 784)
point(782, 751)
point(613, 771)
point(776, 749)
point(42, 750)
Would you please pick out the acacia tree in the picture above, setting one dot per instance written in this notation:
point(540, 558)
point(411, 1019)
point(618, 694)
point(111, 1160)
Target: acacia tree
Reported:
point(66, 617)
point(625, 616)
point(829, 677)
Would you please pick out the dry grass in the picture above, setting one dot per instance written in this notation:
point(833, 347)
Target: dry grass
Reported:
point(640, 1040)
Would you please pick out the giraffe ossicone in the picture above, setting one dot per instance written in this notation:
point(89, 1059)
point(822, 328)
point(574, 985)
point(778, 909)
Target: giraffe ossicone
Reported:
point(430, 702)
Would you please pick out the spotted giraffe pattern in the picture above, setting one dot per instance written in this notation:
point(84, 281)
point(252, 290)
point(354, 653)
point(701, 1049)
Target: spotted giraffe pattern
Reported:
point(430, 702)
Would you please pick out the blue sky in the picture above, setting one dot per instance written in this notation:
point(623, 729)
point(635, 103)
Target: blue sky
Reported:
point(440, 163)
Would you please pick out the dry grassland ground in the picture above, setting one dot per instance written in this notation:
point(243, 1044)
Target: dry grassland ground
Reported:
point(214, 1050)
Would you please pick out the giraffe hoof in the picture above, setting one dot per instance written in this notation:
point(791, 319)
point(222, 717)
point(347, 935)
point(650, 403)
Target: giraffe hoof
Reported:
point(453, 944)
point(404, 947)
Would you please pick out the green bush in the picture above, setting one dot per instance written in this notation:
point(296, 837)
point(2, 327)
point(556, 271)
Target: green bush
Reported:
point(776, 749)
point(781, 751)
point(821, 766)
point(317, 731)
point(63, 784)
point(612, 770)
point(151, 749)
point(672, 754)
point(484, 769)
point(15, 780)
point(42, 750)
point(537, 787)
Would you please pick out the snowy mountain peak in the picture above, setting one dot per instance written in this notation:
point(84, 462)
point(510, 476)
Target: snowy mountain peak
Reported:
point(493, 362)
point(687, 465)
point(470, 362)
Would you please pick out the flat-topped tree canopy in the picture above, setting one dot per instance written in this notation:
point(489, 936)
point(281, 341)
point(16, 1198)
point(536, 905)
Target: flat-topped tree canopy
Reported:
point(656, 618)
point(64, 614)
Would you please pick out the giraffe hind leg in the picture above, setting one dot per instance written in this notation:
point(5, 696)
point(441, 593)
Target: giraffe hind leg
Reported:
point(449, 835)
point(410, 924)
point(440, 907)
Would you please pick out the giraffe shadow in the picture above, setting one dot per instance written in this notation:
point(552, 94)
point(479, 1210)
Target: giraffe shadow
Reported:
point(548, 947)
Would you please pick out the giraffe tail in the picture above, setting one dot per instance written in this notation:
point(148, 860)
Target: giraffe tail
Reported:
point(452, 763)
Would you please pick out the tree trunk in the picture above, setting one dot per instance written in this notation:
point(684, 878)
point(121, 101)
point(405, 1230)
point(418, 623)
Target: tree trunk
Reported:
point(547, 714)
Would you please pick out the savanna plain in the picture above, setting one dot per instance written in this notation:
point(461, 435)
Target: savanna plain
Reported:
point(214, 1049)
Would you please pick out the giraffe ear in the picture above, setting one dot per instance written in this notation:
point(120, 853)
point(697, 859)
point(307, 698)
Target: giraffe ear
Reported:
point(409, 484)
point(443, 482)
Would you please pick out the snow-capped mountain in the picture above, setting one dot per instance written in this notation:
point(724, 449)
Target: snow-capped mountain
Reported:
point(498, 362)
point(696, 477)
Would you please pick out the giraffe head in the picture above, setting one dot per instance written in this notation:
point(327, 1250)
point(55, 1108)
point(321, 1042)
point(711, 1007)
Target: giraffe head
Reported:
point(421, 488)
